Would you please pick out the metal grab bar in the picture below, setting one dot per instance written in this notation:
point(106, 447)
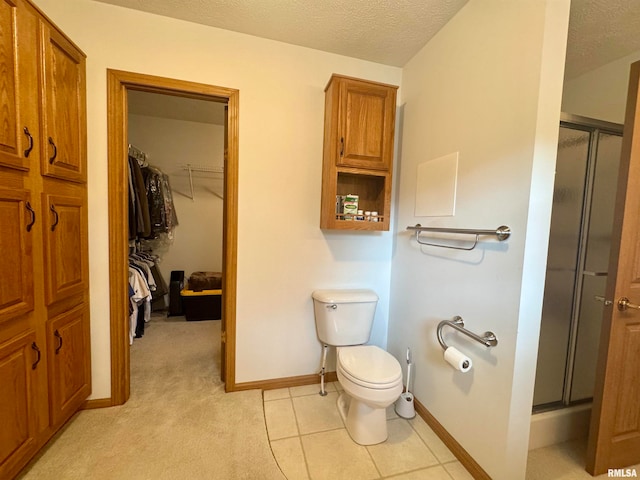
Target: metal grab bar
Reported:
point(488, 339)
point(502, 233)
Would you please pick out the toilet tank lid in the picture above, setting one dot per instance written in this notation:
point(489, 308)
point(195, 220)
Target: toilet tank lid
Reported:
point(345, 296)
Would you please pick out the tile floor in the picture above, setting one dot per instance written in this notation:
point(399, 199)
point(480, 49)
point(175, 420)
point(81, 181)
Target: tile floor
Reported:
point(309, 441)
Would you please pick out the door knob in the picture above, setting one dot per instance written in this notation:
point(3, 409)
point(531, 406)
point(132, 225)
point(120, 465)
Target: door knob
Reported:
point(600, 298)
point(624, 303)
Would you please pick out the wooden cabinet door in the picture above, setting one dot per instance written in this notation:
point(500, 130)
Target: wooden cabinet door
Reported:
point(18, 360)
point(68, 352)
point(64, 109)
point(65, 246)
point(18, 85)
point(17, 219)
point(367, 117)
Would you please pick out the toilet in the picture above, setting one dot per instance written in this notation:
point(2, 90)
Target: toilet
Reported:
point(370, 377)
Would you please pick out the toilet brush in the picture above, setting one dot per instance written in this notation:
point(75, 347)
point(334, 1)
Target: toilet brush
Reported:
point(404, 405)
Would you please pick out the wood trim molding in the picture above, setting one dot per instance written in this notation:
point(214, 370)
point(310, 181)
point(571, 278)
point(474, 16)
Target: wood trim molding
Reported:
point(118, 241)
point(97, 403)
point(118, 82)
point(286, 382)
point(452, 444)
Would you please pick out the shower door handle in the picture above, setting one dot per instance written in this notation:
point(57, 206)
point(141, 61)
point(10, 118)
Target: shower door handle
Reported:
point(600, 298)
point(624, 303)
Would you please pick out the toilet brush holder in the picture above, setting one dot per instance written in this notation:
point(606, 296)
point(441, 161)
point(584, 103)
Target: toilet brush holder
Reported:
point(404, 406)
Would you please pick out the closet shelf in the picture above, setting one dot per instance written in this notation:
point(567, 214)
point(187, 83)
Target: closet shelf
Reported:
point(200, 168)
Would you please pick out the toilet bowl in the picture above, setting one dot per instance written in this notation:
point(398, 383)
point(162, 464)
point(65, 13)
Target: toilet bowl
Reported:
point(372, 380)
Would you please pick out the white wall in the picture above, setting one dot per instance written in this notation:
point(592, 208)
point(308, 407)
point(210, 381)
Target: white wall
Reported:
point(487, 86)
point(600, 93)
point(170, 144)
point(282, 255)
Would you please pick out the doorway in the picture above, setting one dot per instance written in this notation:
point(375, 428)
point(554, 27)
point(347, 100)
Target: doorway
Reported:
point(118, 85)
point(581, 223)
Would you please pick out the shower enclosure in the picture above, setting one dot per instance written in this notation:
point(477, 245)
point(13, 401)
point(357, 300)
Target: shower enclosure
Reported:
point(577, 262)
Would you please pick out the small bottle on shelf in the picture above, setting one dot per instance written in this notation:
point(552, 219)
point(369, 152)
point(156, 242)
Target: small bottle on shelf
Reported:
point(374, 216)
point(367, 216)
point(360, 215)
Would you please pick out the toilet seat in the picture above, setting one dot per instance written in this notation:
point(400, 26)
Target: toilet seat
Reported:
point(369, 366)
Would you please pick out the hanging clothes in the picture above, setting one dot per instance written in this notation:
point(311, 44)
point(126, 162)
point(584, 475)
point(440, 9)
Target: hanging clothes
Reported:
point(139, 296)
point(138, 202)
point(160, 201)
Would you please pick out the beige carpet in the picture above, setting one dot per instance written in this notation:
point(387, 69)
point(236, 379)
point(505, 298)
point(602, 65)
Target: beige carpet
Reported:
point(178, 423)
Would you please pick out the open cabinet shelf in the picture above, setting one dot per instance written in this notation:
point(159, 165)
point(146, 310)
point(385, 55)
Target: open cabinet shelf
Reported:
point(358, 151)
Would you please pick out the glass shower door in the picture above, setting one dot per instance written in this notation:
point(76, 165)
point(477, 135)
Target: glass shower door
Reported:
point(562, 264)
point(577, 262)
point(594, 274)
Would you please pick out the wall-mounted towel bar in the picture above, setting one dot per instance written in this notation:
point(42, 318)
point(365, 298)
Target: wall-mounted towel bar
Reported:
point(502, 233)
point(488, 339)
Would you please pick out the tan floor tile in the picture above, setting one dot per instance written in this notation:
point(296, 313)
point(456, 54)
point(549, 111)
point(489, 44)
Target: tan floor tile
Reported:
point(288, 454)
point(402, 452)
point(431, 473)
point(458, 472)
point(281, 421)
point(391, 413)
point(564, 461)
point(316, 413)
point(338, 386)
point(439, 449)
point(276, 394)
point(334, 456)
point(310, 389)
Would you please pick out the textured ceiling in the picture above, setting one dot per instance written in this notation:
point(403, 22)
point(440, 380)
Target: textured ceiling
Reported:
point(383, 31)
point(392, 31)
point(601, 31)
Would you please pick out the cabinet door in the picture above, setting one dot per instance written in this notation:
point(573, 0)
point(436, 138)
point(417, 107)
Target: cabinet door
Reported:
point(18, 85)
point(367, 116)
point(64, 129)
point(69, 363)
point(65, 246)
point(16, 268)
point(18, 360)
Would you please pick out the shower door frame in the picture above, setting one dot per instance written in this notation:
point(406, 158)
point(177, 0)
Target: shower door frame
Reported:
point(593, 127)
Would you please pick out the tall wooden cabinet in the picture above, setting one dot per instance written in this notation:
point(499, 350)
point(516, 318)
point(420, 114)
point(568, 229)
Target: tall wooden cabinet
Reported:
point(45, 373)
point(358, 151)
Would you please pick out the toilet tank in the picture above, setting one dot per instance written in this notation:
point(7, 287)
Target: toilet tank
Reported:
point(344, 317)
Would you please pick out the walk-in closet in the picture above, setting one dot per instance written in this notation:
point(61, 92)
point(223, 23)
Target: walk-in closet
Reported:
point(176, 198)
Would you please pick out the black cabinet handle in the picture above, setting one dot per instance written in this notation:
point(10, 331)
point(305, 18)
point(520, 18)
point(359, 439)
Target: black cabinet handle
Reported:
point(28, 150)
point(55, 151)
point(341, 146)
point(33, 215)
point(57, 219)
point(59, 337)
point(35, 347)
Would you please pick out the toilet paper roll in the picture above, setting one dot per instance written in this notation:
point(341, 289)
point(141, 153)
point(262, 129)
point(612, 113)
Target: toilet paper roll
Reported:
point(457, 359)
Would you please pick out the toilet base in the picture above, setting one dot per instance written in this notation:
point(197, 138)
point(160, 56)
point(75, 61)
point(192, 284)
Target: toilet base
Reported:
point(365, 425)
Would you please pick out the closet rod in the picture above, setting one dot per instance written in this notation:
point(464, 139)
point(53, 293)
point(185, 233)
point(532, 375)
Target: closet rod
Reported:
point(137, 153)
point(202, 168)
point(199, 168)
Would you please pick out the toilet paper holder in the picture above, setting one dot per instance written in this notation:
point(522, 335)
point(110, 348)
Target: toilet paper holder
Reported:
point(488, 339)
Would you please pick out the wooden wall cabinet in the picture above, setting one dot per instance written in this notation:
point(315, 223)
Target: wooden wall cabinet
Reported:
point(44, 293)
point(359, 127)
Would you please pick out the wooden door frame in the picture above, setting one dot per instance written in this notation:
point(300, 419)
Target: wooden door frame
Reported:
point(118, 82)
point(609, 376)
